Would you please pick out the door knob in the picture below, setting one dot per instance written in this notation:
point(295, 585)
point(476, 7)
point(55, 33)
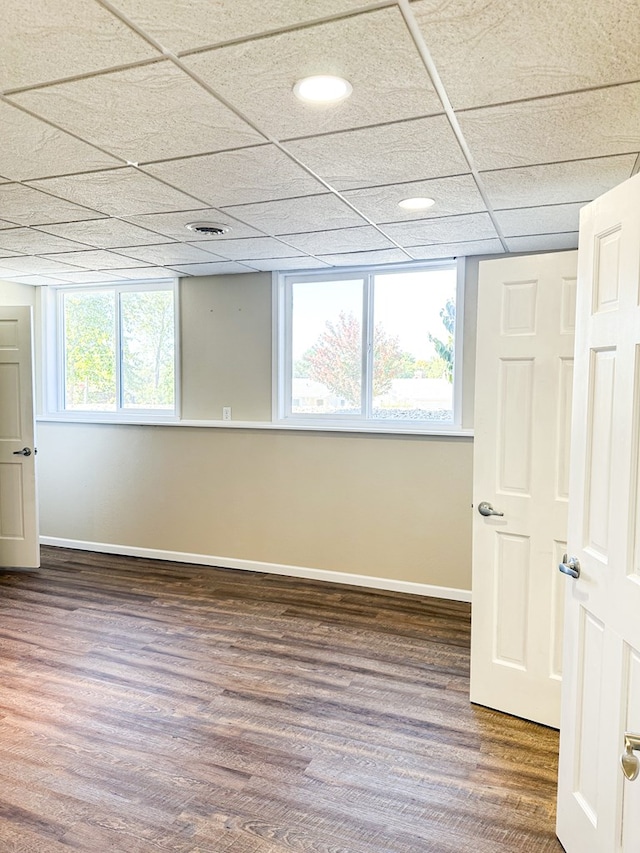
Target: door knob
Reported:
point(628, 759)
point(26, 451)
point(570, 566)
point(485, 508)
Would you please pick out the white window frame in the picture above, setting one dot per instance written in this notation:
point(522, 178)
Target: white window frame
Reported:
point(282, 352)
point(54, 355)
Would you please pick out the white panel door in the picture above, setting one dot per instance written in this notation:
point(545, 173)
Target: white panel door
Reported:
point(19, 544)
point(598, 808)
point(524, 376)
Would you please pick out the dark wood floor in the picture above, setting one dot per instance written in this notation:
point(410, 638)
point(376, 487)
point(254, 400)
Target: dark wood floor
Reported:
point(148, 706)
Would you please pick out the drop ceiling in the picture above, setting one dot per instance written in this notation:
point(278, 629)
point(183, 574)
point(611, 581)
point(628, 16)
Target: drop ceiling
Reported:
point(122, 121)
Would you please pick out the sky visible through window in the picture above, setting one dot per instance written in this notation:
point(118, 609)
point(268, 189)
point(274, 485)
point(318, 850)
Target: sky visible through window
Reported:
point(409, 306)
point(317, 302)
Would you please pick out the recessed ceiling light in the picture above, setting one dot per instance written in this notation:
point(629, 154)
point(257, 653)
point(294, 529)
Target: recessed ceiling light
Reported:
point(213, 229)
point(416, 203)
point(322, 89)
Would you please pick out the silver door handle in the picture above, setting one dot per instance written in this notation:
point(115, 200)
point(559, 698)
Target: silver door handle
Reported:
point(485, 508)
point(570, 566)
point(26, 451)
point(628, 759)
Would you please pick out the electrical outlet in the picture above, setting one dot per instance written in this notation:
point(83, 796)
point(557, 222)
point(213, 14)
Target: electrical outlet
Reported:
point(226, 413)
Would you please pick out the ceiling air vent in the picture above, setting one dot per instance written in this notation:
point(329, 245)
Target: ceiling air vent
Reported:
point(211, 229)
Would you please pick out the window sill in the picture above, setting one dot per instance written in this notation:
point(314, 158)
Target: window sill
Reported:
point(94, 418)
point(443, 432)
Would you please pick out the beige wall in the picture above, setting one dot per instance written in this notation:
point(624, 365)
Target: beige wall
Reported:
point(396, 507)
point(17, 294)
point(226, 346)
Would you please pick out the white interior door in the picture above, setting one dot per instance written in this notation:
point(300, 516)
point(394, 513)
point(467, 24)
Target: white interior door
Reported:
point(598, 809)
point(19, 545)
point(524, 375)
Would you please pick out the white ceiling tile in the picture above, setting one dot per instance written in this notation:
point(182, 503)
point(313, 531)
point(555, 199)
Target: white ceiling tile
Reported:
point(275, 264)
point(554, 129)
point(221, 268)
point(29, 264)
point(238, 177)
point(116, 192)
point(534, 48)
point(338, 241)
point(378, 256)
point(37, 280)
point(537, 220)
point(458, 194)
point(97, 259)
point(44, 40)
point(450, 229)
point(406, 151)
point(456, 250)
point(170, 254)
point(256, 247)
point(373, 51)
point(293, 215)
point(186, 24)
point(28, 206)
point(543, 242)
point(149, 113)
point(78, 66)
point(175, 224)
point(104, 233)
point(87, 277)
point(7, 273)
point(142, 273)
point(30, 242)
point(33, 149)
point(555, 183)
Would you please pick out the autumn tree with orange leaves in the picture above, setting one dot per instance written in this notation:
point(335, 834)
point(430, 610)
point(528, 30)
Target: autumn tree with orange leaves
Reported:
point(335, 359)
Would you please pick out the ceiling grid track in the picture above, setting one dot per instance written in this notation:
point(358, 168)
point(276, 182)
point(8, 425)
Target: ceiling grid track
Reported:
point(429, 64)
point(130, 118)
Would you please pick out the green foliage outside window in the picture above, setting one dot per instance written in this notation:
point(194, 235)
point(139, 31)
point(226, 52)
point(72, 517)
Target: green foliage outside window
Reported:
point(147, 349)
point(146, 326)
point(444, 349)
point(90, 357)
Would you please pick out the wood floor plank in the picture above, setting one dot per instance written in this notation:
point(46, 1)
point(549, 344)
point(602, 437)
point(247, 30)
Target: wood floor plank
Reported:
point(148, 707)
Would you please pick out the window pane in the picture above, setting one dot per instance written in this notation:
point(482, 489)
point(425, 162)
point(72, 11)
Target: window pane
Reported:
point(327, 347)
point(147, 342)
point(414, 316)
point(89, 351)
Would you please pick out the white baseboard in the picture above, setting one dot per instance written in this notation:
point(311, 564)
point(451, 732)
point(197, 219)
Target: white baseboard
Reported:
point(270, 568)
